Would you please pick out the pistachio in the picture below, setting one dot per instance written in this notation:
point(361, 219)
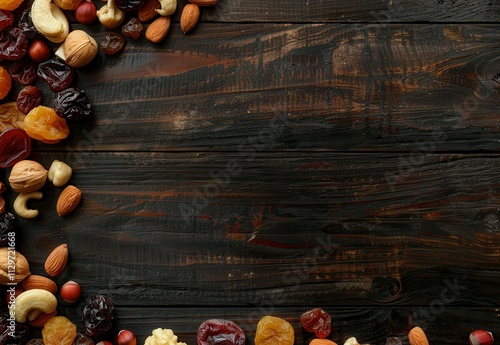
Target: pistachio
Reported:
point(78, 49)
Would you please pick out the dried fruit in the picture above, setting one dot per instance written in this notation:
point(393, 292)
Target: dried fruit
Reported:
point(25, 23)
point(21, 264)
point(10, 5)
point(5, 82)
point(56, 74)
point(82, 339)
point(41, 319)
point(35, 281)
point(72, 104)
point(10, 116)
point(158, 29)
point(27, 176)
point(132, 28)
point(21, 332)
point(220, 332)
point(394, 341)
point(126, 337)
point(35, 341)
point(68, 200)
point(148, 10)
point(322, 342)
point(481, 337)
point(28, 98)
point(56, 261)
point(189, 17)
point(70, 292)
point(98, 315)
point(417, 336)
point(78, 50)
point(317, 321)
point(273, 330)
point(42, 123)
point(15, 145)
point(23, 71)
point(7, 228)
point(39, 51)
point(112, 43)
point(13, 44)
point(86, 12)
point(129, 5)
point(59, 330)
point(6, 19)
point(204, 2)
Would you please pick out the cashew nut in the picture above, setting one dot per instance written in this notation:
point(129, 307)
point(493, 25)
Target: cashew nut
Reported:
point(20, 204)
point(50, 20)
point(110, 16)
point(34, 299)
point(59, 173)
point(168, 7)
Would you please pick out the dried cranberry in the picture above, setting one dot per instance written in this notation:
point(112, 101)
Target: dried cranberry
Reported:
point(26, 25)
point(112, 43)
point(55, 73)
point(15, 145)
point(72, 104)
point(220, 332)
point(318, 321)
point(6, 19)
point(28, 98)
point(23, 71)
point(129, 5)
point(13, 44)
point(133, 28)
point(98, 315)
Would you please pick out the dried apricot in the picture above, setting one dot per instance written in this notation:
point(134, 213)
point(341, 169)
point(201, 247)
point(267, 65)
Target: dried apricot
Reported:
point(273, 330)
point(42, 123)
point(10, 5)
point(5, 82)
point(59, 330)
point(10, 116)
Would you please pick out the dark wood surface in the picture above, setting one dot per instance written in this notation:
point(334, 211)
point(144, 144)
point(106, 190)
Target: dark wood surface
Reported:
point(285, 156)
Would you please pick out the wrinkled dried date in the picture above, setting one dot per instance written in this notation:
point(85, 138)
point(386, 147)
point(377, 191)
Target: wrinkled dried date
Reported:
point(26, 25)
point(133, 28)
point(98, 315)
point(6, 19)
point(129, 5)
point(23, 71)
point(56, 74)
point(220, 332)
point(13, 44)
point(72, 104)
point(28, 98)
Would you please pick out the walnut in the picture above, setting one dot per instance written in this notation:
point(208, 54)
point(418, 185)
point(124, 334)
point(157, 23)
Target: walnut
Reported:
point(18, 261)
point(27, 176)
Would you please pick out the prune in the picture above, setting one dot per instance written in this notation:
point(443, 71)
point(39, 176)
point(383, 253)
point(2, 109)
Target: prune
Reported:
point(98, 315)
point(42, 123)
point(13, 44)
point(59, 330)
point(21, 332)
point(6, 19)
point(23, 71)
point(220, 332)
point(72, 104)
point(56, 74)
point(273, 330)
point(25, 23)
point(6, 226)
point(112, 43)
point(133, 28)
point(15, 145)
point(129, 5)
point(318, 321)
point(28, 98)
point(82, 339)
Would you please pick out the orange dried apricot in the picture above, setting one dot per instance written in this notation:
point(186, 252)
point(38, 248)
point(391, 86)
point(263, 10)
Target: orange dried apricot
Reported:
point(273, 330)
point(5, 82)
point(42, 123)
point(10, 117)
point(59, 330)
point(10, 5)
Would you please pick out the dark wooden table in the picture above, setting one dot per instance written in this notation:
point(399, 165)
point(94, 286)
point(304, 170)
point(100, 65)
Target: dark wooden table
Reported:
point(287, 155)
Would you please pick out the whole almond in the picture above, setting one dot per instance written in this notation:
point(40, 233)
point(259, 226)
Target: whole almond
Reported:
point(189, 17)
point(41, 319)
point(318, 341)
point(204, 2)
point(417, 336)
point(68, 200)
point(35, 281)
point(158, 29)
point(56, 261)
point(148, 10)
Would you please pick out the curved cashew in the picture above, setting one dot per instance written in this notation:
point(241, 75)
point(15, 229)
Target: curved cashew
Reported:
point(49, 20)
point(110, 16)
point(168, 7)
point(59, 173)
point(20, 204)
point(34, 299)
point(59, 15)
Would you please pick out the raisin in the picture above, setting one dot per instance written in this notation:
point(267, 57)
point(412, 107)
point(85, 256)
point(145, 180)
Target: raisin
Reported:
point(13, 44)
point(6, 226)
point(10, 116)
point(394, 341)
point(133, 28)
point(98, 315)
point(5, 82)
point(72, 104)
point(82, 339)
point(59, 330)
point(273, 330)
point(220, 332)
point(56, 74)
point(112, 43)
point(129, 5)
point(318, 321)
point(28, 98)
point(14, 333)
point(15, 145)
point(24, 71)
point(6, 19)
point(25, 23)
point(35, 341)
point(42, 123)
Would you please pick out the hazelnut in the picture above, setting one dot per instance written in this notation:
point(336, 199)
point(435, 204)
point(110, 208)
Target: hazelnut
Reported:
point(27, 176)
point(86, 12)
point(126, 337)
point(39, 51)
point(70, 292)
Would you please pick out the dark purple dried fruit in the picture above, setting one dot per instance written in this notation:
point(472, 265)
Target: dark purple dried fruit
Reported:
point(112, 43)
point(26, 25)
point(6, 225)
point(72, 104)
point(13, 44)
point(220, 332)
point(28, 98)
point(23, 71)
point(132, 28)
point(98, 316)
point(21, 332)
point(129, 5)
point(55, 73)
point(6, 19)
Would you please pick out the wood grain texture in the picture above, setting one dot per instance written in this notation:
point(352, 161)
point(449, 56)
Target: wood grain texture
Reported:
point(413, 88)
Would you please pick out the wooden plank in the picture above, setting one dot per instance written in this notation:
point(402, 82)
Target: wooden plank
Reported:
point(412, 88)
point(191, 228)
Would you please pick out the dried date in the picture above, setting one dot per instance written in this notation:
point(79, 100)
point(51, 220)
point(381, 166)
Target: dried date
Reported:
point(133, 28)
point(72, 104)
point(28, 98)
point(318, 321)
point(25, 23)
point(13, 44)
point(98, 315)
point(6, 19)
point(24, 71)
point(220, 332)
point(56, 74)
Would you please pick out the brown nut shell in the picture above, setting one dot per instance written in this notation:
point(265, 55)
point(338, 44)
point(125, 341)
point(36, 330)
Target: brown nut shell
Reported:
point(27, 176)
point(57, 260)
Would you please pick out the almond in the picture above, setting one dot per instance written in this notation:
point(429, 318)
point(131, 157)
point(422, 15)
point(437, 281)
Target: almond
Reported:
point(158, 29)
point(40, 320)
point(56, 261)
point(319, 341)
point(68, 200)
point(417, 336)
point(35, 281)
point(204, 2)
point(189, 17)
point(148, 10)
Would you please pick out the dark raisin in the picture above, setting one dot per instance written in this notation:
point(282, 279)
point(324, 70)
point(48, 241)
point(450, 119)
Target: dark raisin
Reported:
point(6, 19)
point(72, 104)
point(26, 25)
point(112, 43)
point(28, 98)
point(13, 44)
point(318, 321)
point(133, 28)
point(98, 316)
point(220, 332)
point(15, 145)
point(24, 71)
point(129, 5)
point(55, 73)
point(6, 225)
point(13, 334)
point(82, 339)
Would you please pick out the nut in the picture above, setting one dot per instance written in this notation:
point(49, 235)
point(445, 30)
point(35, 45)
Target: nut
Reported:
point(20, 263)
point(59, 173)
point(162, 336)
point(78, 49)
point(417, 336)
point(481, 337)
point(86, 12)
point(318, 341)
point(35, 281)
point(36, 299)
point(2, 205)
point(126, 337)
point(2, 188)
point(67, 4)
point(40, 320)
point(189, 17)
point(49, 20)
point(351, 341)
point(56, 261)
point(39, 51)
point(20, 204)
point(70, 292)
point(110, 16)
point(204, 2)
point(148, 10)
point(168, 7)
point(158, 29)
point(68, 200)
point(27, 176)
